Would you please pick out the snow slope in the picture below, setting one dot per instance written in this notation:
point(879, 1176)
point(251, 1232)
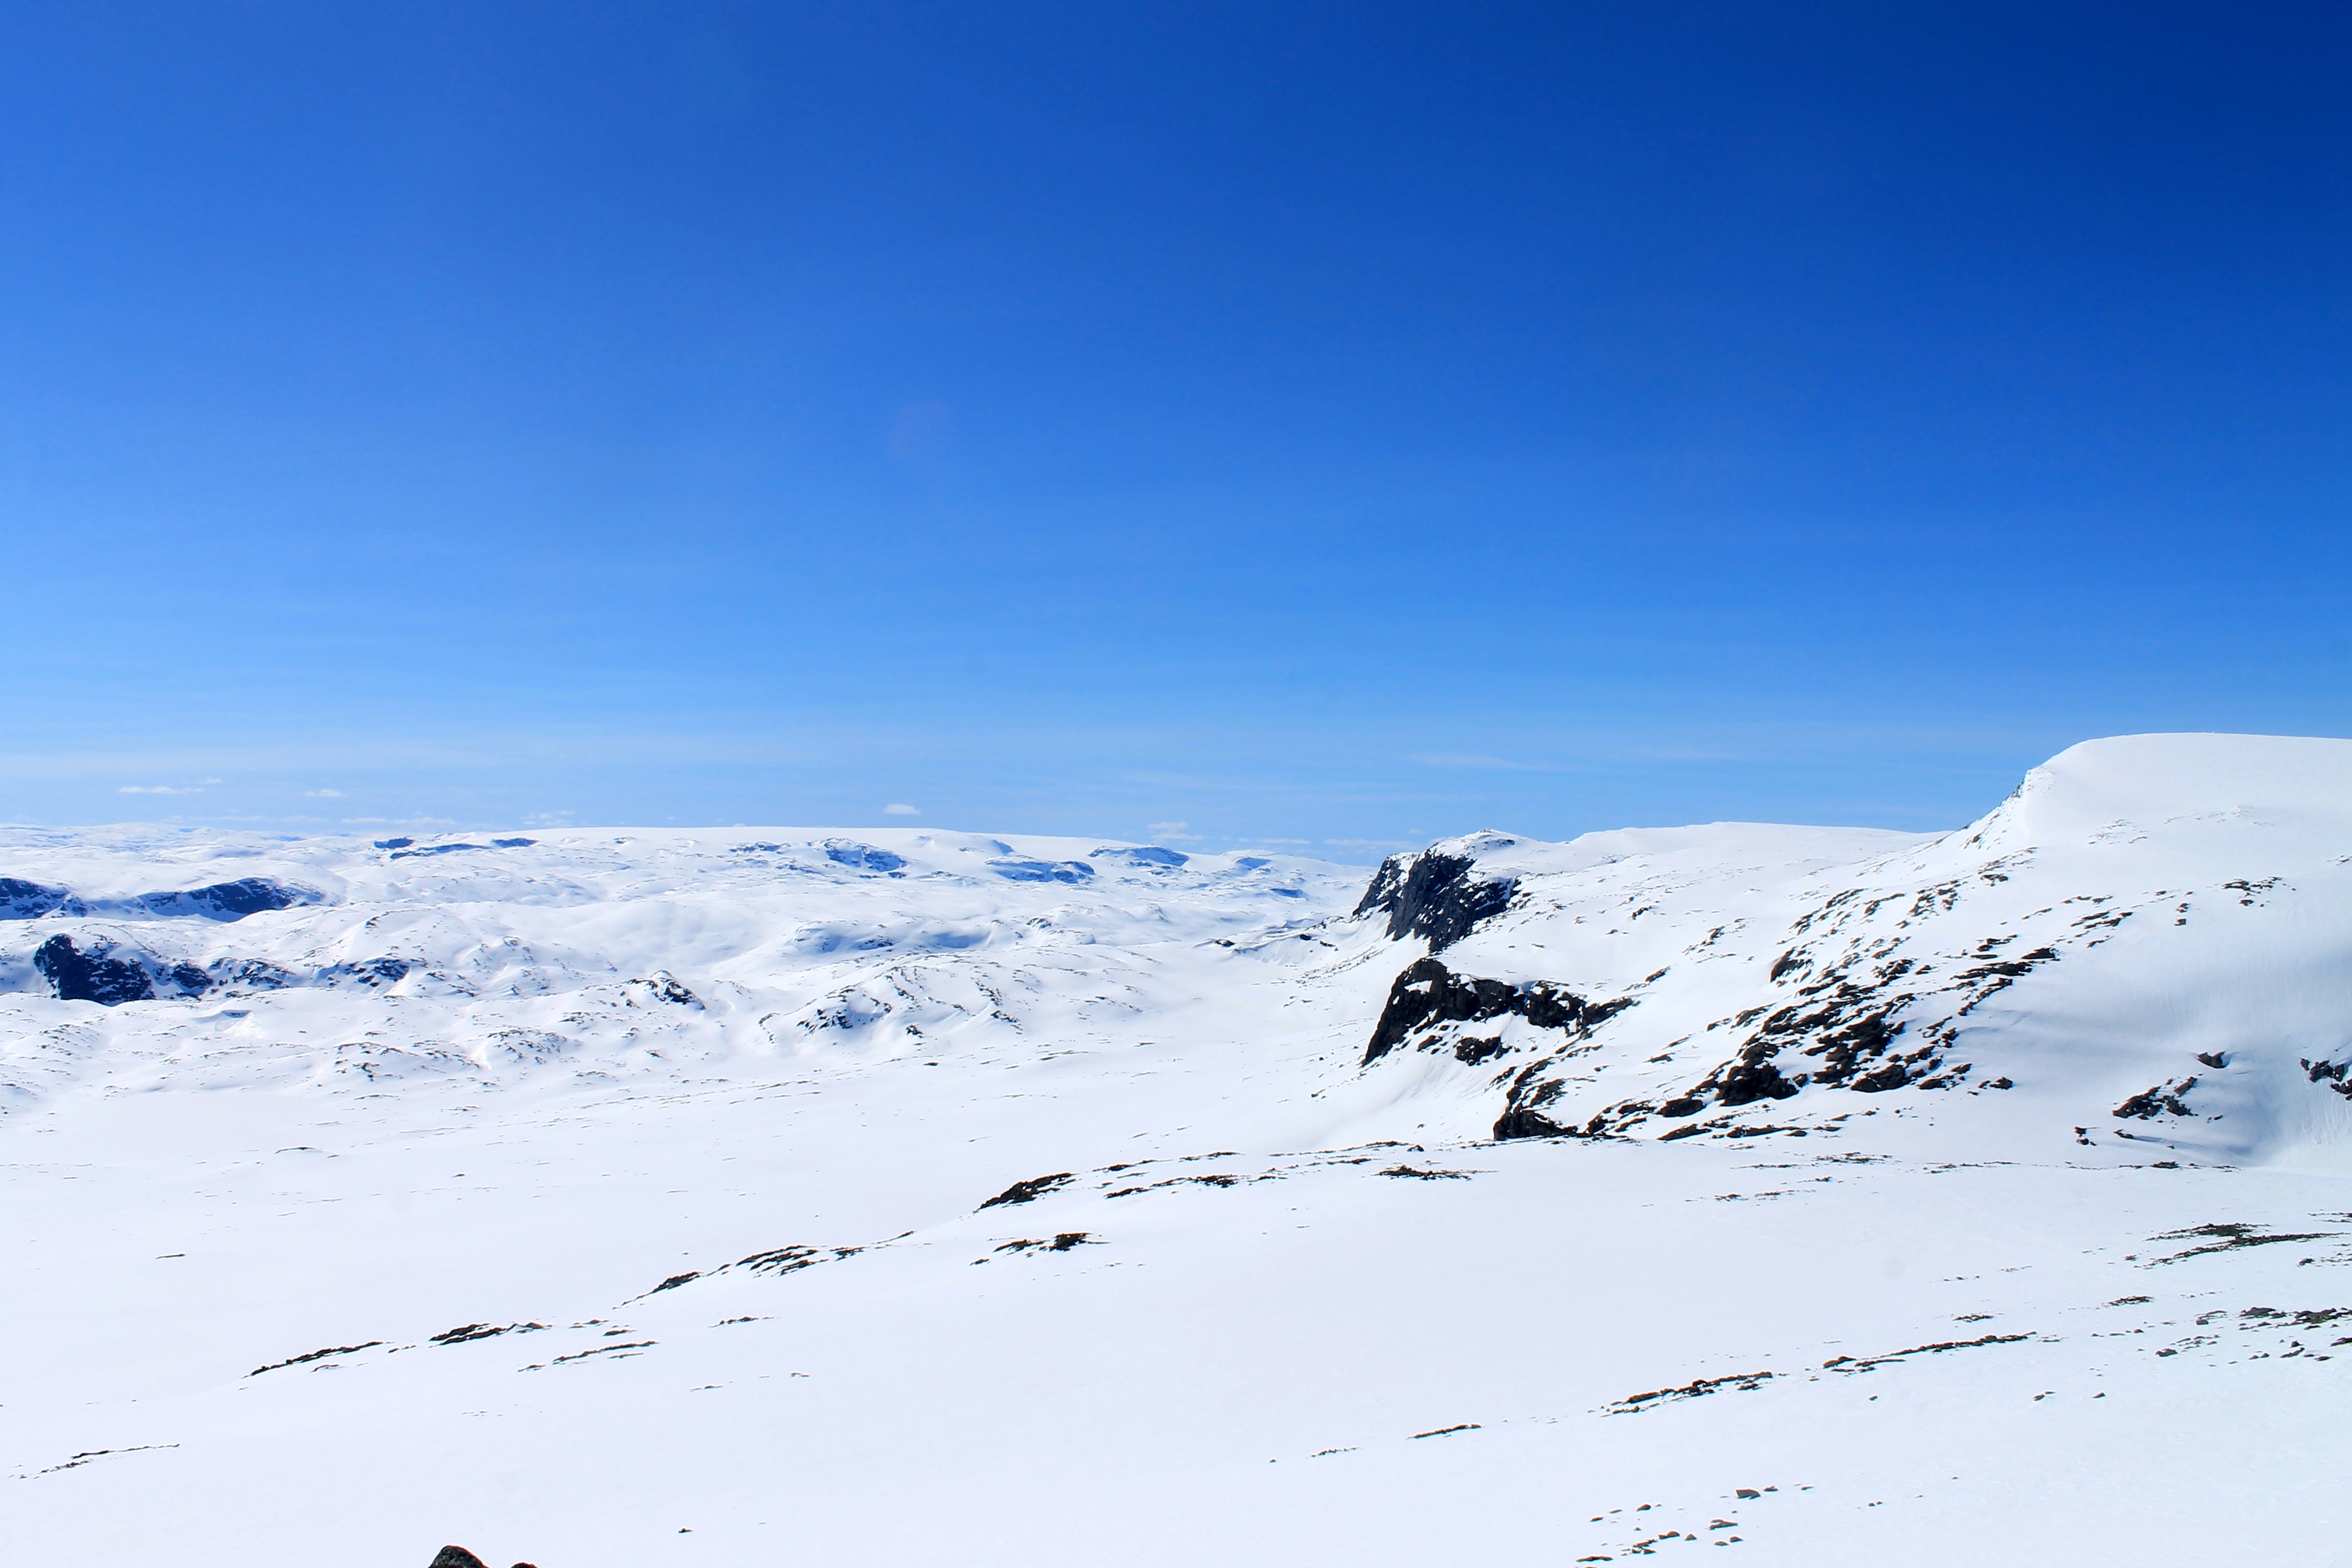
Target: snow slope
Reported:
point(746, 1198)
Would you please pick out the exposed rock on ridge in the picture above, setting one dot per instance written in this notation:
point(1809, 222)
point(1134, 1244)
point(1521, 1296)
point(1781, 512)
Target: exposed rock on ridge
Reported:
point(109, 981)
point(1435, 895)
point(1428, 994)
point(229, 900)
point(23, 901)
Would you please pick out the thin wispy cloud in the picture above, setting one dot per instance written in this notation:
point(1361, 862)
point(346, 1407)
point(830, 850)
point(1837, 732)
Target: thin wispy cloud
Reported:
point(1479, 760)
point(158, 789)
point(898, 808)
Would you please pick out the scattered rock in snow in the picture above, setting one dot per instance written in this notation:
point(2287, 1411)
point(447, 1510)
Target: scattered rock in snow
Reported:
point(1035, 1187)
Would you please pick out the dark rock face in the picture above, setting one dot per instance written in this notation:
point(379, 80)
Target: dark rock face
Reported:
point(456, 1557)
point(1441, 897)
point(1428, 997)
point(22, 900)
point(81, 976)
point(228, 900)
point(1428, 994)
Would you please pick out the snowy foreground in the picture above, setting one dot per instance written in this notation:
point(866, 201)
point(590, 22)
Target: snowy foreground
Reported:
point(778, 1196)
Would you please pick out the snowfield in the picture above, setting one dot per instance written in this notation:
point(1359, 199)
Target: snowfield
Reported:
point(1829, 1196)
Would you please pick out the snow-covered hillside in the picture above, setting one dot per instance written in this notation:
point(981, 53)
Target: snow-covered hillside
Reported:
point(2151, 942)
point(1826, 1196)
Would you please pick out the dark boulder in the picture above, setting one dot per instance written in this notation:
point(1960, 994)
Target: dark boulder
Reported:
point(456, 1557)
point(1441, 897)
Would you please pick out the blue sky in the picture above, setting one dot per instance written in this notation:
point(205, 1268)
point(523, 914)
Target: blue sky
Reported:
point(1338, 424)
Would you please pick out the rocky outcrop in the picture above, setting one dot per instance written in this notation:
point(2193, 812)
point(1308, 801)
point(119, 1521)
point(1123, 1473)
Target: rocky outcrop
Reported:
point(2164, 1099)
point(229, 900)
point(664, 986)
point(1434, 895)
point(1030, 1190)
point(1744, 1080)
point(861, 857)
point(251, 975)
point(97, 976)
point(22, 900)
point(1526, 1123)
point(1428, 994)
point(1042, 870)
point(1430, 1008)
point(458, 1557)
point(1148, 855)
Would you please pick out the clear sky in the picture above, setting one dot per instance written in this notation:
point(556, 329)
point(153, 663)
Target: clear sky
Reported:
point(1342, 424)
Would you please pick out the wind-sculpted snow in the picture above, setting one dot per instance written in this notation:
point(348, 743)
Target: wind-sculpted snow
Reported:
point(1829, 1196)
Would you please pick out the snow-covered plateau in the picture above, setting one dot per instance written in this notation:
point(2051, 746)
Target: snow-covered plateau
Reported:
point(622, 1197)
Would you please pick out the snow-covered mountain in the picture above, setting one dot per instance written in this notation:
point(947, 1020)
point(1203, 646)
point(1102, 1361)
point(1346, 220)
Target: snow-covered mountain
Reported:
point(2150, 941)
point(1828, 1196)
